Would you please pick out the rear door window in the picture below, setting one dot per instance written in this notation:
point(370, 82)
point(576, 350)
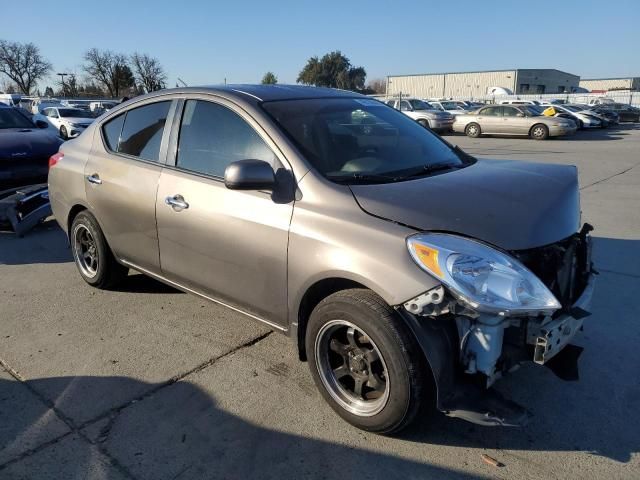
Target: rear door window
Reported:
point(142, 131)
point(492, 111)
point(212, 136)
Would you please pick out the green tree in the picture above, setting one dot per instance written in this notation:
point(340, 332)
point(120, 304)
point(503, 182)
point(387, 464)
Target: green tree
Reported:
point(269, 79)
point(333, 70)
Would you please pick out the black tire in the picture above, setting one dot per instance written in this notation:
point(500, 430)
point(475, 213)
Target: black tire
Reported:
point(377, 325)
point(63, 132)
point(539, 132)
point(424, 123)
point(473, 130)
point(103, 271)
point(580, 125)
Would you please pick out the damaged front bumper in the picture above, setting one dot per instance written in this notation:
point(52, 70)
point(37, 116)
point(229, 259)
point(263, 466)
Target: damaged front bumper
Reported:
point(482, 348)
point(551, 336)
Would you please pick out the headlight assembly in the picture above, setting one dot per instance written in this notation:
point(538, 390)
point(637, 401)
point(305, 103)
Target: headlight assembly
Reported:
point(482, 277)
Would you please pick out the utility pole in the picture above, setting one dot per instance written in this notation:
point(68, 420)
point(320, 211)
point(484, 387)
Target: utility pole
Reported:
point(62, 75)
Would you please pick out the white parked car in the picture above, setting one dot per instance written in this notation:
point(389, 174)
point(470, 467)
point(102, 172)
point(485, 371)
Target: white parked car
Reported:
point(583, 118)
point(11, 99)
point(449, 106)
point(423, 113)
point(40, 104)
point(101, 107)
point(69, 122)
point(517, 102)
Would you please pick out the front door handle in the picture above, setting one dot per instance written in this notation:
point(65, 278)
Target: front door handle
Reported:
point(95, 179)
point(177, 203)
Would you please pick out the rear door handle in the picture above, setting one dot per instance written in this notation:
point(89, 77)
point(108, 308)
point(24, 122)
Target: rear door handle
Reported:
point(177, 203)
point(95, 179)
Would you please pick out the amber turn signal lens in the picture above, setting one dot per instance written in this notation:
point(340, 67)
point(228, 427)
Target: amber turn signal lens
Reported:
point(429, 258)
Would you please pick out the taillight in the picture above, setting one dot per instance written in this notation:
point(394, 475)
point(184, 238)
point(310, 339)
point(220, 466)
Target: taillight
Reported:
point(53, 159)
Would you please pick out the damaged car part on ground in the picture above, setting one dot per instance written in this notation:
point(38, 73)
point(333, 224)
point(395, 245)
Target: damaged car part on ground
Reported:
point(403, 268)
point(23, 208)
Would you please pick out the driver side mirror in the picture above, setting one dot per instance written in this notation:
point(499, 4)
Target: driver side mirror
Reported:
point(249, 175)
point(42, 124)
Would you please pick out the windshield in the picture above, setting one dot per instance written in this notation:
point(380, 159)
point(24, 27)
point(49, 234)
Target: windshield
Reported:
point(74, 113)
point(572, 108)
point(9, 118)
point(420, 105)
point(349, 139)
point(450, 105)
point(531, 110)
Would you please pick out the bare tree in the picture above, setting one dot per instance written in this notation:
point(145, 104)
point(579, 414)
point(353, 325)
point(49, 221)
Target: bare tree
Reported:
point(148, 72)
point(378, 85)
point(109, 69)
point(23, 64)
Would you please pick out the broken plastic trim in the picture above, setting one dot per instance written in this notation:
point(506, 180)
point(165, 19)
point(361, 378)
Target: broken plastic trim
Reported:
point(23, 208)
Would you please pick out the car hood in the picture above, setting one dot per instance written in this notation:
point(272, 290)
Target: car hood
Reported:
point(511, 204)
point(27, 142)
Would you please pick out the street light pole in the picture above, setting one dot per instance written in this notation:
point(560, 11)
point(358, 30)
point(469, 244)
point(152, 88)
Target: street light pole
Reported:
point(62, 75)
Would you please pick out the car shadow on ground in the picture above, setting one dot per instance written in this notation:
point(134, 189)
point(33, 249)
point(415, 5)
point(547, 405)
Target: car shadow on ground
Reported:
point(178, 431)
point(46, 243)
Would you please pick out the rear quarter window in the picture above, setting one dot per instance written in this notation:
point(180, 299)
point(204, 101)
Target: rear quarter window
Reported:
point(111, 132)
point(142, 131)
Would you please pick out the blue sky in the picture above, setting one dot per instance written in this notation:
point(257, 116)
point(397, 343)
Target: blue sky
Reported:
point(204, 42)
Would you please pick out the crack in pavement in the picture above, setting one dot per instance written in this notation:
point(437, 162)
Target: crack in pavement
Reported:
point(610, 177)
point(112, 413)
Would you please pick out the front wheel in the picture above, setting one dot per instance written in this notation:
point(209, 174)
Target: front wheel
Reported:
point(424, 123)
point(539, 132)
point(63, 132)
point(365, 362)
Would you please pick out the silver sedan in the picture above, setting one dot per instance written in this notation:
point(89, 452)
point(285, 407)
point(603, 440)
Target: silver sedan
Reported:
point(512, 120)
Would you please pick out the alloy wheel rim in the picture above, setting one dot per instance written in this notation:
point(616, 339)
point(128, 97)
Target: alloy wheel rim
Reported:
point(537, 132)
point(85, 251)
point(472, 130)
point(351, 368)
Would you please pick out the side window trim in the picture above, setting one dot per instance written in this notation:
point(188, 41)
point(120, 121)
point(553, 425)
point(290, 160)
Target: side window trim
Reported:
point(162, 156)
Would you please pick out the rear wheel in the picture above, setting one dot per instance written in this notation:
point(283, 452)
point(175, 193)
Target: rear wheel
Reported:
point(539, 132)
point(92, 255)
point(63, 132)
point(365, 362)
point(472, 130)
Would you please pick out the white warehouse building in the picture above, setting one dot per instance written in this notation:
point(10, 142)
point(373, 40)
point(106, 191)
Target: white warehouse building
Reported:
point(478, 84)
point(606, 84)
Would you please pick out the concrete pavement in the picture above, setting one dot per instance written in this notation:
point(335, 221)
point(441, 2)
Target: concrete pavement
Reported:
point(150, 383)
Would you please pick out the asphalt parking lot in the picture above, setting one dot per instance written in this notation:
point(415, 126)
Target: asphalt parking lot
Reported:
point(149, 383)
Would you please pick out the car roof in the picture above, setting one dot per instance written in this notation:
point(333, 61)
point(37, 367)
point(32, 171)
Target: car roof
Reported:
point(266, 93)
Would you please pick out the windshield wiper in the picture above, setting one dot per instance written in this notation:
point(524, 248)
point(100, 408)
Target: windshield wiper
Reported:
point(362, 178)
point(422, 170)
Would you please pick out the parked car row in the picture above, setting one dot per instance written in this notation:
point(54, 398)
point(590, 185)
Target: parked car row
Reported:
point(538, 120)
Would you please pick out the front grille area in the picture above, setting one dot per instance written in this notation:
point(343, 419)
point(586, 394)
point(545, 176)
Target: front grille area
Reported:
point(563, 266)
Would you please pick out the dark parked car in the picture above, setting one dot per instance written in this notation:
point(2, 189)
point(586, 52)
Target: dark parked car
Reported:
point(25, 148)
point(626, 113)
point(402, 268)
